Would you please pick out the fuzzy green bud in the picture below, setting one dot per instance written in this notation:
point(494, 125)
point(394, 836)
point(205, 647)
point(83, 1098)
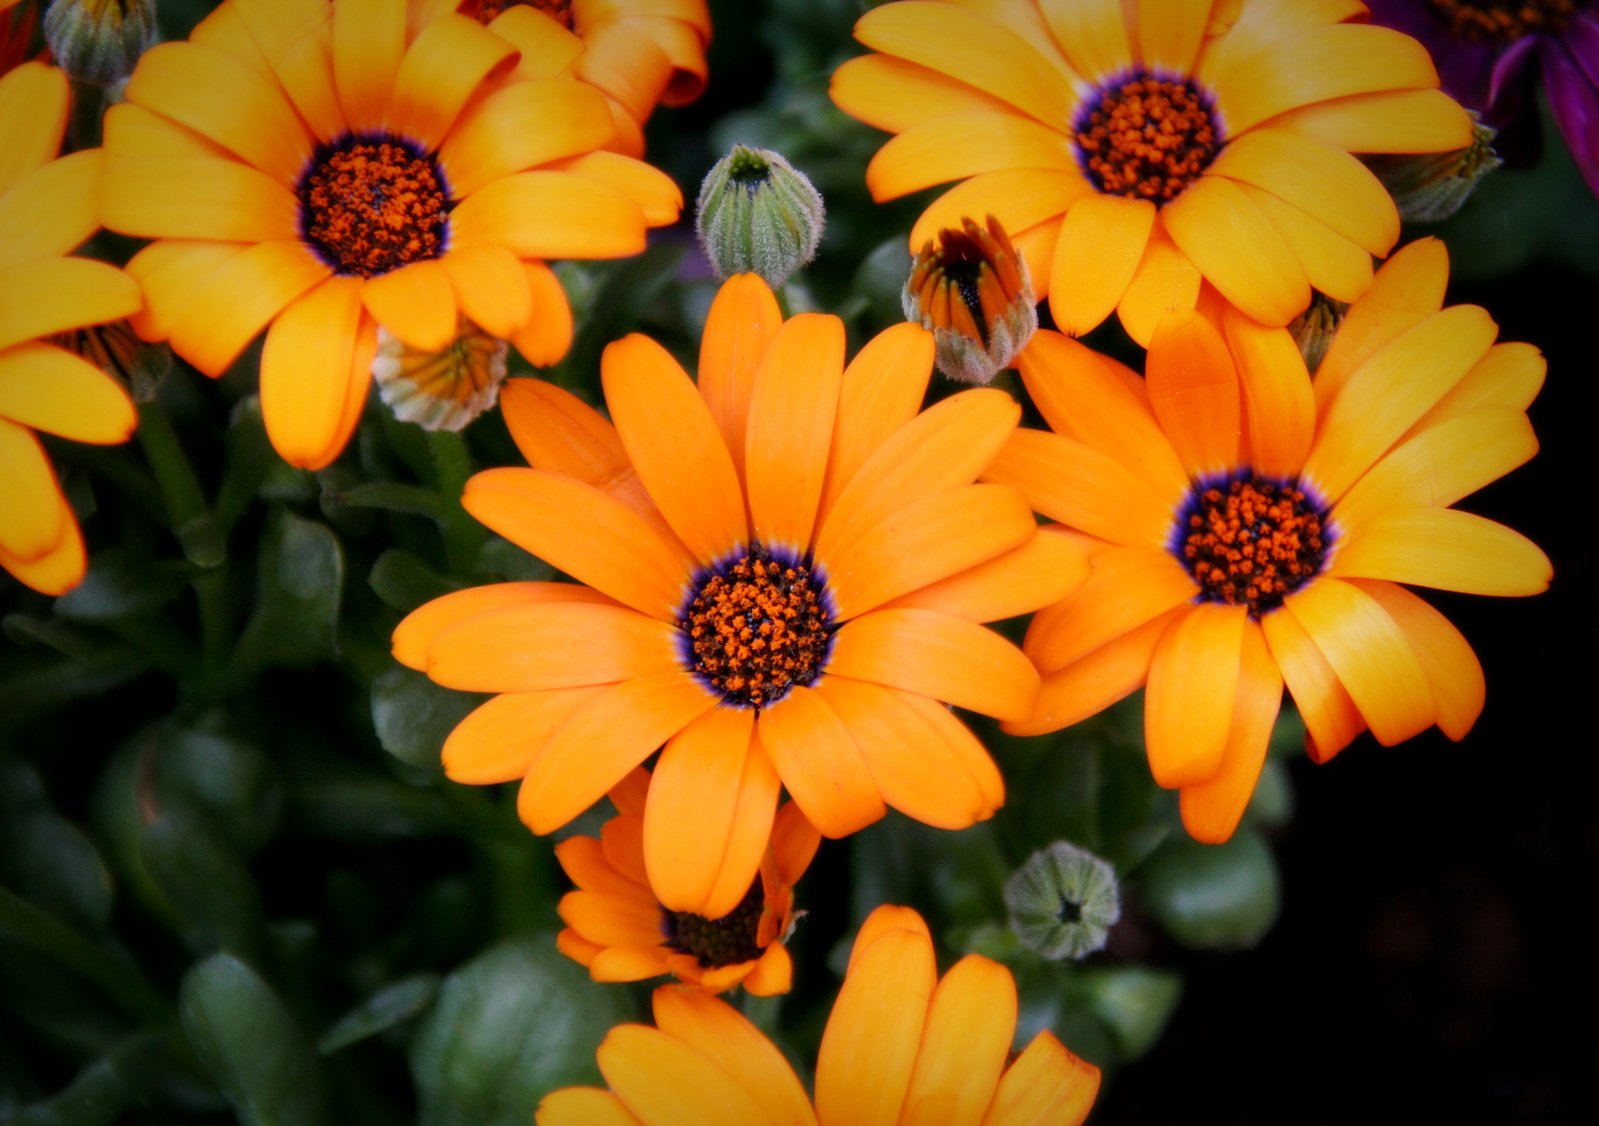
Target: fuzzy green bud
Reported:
point(758, 214)
point(98, 41)
point(1430, 187)
point(1063, 901)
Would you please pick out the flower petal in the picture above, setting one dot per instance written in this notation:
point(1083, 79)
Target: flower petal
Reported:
point(59, 569)
point(522, 125)
point(970, 1022)
point(1165, 281)
point(416, 303)
point(1092, 34)
point(48, 388)
point(368, 43)
point(666, 1082)
point(500, 739)
point(894, 95)
point(491, 288)
point(791, 413)
point(939, 656)
point(547, 336)
point(197, 197)
point(1046, 1086)
point(1334, 265)
point(1331, 719)
point(583, 1106)
point(882, 390)
point(36, 512)
point(1212, 809)
point(675, 445)
point(545, 214)
point(295, 38)
point(417, 629)
point(443, 67)
point(719, 1032)
point(594, 749)
point(656, 194)
point(1193, 682)
point(816, 755)
point(1509, 375)
point(1279, 402)
point(305, 372)
point(583, 860)
point(51, 210)
point(1170, 32)
point(1445, 549)
point(1193, 390)
point(216, 321)
point(1044, 569)
point(1238, 249)
point(952, 148)
point(55, 294)
point(1385, 121)
point(33, 118)
point(1126, 587)
point(1101, 242)
point(168, 272)
point(1458, 685)
point(1020, 198)
point(742, 320)
point(1083, 488)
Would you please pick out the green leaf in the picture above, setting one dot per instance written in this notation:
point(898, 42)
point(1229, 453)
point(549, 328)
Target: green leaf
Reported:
point(47, 858)
point(1134, 1002)
point(392, 1005)
point(28, 926)
point(1212, 895)
point(251, 1045)
point(119, 584)
point(204, 882)
point(413, 715)
point(208, 768)
point(516, 1022)
point(299, 589)
point(403, 583)
point(95, 1098)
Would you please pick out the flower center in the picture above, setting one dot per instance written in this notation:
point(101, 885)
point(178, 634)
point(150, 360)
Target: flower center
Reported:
point(1502, 21)
point(484, 11)
point(372, 203)
point(718, 942)
point(1250, 541)
point(1146, 137)
point(757, 626)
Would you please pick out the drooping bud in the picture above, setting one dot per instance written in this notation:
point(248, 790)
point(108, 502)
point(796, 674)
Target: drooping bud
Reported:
point(1063, 901)
point(1314, 329)
point(1430, 187)
point(758, 214)
point(98, 41)
point(970, 288)
point(441, 390)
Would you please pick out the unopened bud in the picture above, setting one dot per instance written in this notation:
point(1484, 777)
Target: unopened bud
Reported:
point(1314, 329)
point(758, 214)
point(441, 390)
point(970, 288)
point(98, 41)
point(1430, 187)
point(1063, 901)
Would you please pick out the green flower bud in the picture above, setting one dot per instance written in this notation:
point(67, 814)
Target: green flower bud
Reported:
point(441, 390)
point(970, 289)
point(98, 41)
point(1063, 901)
point(1430, 187)
point(1314, 329)
point(758, 214)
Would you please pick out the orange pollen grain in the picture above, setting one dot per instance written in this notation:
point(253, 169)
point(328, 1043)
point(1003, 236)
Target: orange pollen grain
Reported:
point(1251, 543)
point(757, 629)
point(485, 11)
point(370, 206)
point(719, 942)
point(1148, 138)
point(1502, 21)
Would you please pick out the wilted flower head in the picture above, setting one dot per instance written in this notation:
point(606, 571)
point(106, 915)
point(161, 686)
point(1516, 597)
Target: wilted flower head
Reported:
point(970, 288)
point(441, 389)
point(758, 214)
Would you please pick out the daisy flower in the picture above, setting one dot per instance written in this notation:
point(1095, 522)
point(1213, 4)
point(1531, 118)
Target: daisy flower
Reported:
point(1136, 150)
point(48, 207)
point(1484, 51)
point(902, 1045)
point(1255, 528)
point(319, 169)
point(638, 53)
point(784, 570)
point(616, 928)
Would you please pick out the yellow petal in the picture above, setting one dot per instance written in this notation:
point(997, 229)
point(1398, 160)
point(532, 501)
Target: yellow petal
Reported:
point(1452, 668)
point(1279, 402)
point(33, 117)
point(196, 197)
point(970, 1022)
point(547, 336)
point(1101, 243)
point(1444, 549)
point(368, 43)
point(1388, 121)
point(1126, 587)
point(893, 95)
point(47, 388)
point(717, 1031)
point(550, 215)
point(416, 303)
point(666, 1082)
point(56, 294)
point(491, 287)
point(1238, 250)
point(1212, 809)
point(306, 367)
point(1046, 1086)
point(36, 513)
point(1193, 682)
point(295, 38)
point(443, 67)
point(216, 320)
point(520, 126)
point(52, 209)
point(953, 148)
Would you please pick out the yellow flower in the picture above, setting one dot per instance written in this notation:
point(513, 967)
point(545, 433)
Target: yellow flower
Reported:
point(617, 928)
point(1255, 528)
point(636, 52)
point(320, 169)
point(787, 566)
point(902, 1046)
point(48, 207)
point(1135, 150)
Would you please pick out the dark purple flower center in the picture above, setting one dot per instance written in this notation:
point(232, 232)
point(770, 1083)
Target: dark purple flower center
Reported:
point(1146, 137)
point(371, 203)
point(1250, 541)
point(718, 942)
point(1502, 21)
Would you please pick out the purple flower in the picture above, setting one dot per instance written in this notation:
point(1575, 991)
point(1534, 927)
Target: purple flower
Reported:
point(1482, 49)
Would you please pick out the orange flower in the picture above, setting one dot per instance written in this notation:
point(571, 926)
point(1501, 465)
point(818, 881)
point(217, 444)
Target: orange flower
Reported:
point(636, 52)
point(1255, 528)
point(325, 168)
point(1136, 149)
point(901, 1046)
point(619, 931)
point(788, 569)
point(48, 207)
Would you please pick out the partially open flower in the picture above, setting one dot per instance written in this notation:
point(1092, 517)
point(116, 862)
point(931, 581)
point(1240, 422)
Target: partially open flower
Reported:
point(618, 928)
point(443, 389)
point(970, 288)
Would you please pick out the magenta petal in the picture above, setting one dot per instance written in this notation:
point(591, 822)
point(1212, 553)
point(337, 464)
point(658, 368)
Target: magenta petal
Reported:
point(1574, 98)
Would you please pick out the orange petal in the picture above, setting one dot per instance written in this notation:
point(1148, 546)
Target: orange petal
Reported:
point(1092, 34)
point(1193, 681)
point(547, 48)
point(1110, 673)
point(558, 432)
point(547, 336)
point(522, 125)
point(656, 195)
point(938, 656)
point(626, 963)
point(717, 1031)
point(1334, 264)
point(893, 95)
point(591, 536)
point(1279, 404)
point(791, 413)
point(1165, 282)
point(602, 742)
point(502, 737)
point(36, 512)
point(1331, 718)
point(240, 296)
point(1370, 655)
point(416, 303)
point(55, 294)
point(1193, 388)
point(674, 444)
point(1387, 121)
point(1238, 250)
point(1170, 32)
point(1020, 198)
point(555, 645)
point(1212, 809)
point(970, 1022)
point(969, 144)
point(882, 390)
point(871, 1041)
point(583, 860)
point(613, 920)
point(53, 209)
point(583, 1106)
point(169, 272)
point(48, 388)
point(443, 67)
point(742, 320)
point(368, 42)
point(197, 197)
point(625, 63)
point(294, 37)
point(1444, 549)
point(33, 117)
point(1046, 568)
point(56, 571)
point(622, 839)
point(666, 1082)
point(815, 753)
point(550, 215)
point(1046, 1086)
point(1452, 668)
point(886, 919)
point(1126, 587)
point(1509, 375)
point(773, 973)
point(305, 372)
point(417, 629)
point(1100, 245)
point(491, 288)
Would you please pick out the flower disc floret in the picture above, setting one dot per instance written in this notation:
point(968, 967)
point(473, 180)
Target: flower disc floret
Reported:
point(1503, 22)
point(1145, 137)
point(756, 627)
point(726, 941)
point(1250, 541)
point(371, 203)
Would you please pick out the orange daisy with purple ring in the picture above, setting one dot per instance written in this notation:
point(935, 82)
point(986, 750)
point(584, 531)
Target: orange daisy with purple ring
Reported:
point(786, 572)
